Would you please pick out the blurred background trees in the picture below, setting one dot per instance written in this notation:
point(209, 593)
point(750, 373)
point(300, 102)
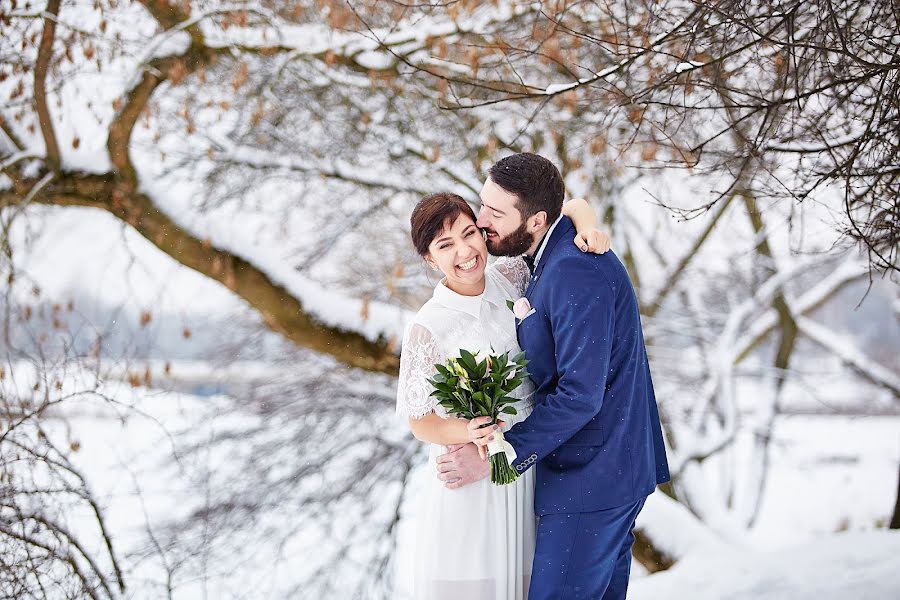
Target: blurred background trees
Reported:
point(742, 155)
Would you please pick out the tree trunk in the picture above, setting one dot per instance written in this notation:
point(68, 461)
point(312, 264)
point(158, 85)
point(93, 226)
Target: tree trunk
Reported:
point(645, 552)
point(895, 520)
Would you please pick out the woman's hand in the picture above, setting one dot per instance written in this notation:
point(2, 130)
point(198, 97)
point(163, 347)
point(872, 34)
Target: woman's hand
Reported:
point(589, 238)
point(481, 433)
point(595, 241)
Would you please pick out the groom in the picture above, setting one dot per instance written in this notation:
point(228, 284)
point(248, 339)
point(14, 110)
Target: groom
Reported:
point(594, 435)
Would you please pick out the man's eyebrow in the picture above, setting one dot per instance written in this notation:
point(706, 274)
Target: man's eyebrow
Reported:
point(483, 203)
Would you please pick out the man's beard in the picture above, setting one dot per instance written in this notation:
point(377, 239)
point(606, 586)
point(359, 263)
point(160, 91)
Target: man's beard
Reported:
point(516, 243)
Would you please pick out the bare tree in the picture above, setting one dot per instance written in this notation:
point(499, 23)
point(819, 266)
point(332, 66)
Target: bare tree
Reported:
point(772, 105)
point(117, 191)
point(329, 109)
point(45, 555)
point(804, 94)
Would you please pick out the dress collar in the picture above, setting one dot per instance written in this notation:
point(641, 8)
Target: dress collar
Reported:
point(466, 304)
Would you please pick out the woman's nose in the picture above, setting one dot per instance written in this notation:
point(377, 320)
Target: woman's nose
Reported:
point(468, 251)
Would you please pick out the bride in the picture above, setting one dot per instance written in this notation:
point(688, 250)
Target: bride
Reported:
point(468, 310)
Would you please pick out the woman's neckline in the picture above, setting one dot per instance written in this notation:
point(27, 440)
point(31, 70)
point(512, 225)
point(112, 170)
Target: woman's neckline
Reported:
point(452, 291)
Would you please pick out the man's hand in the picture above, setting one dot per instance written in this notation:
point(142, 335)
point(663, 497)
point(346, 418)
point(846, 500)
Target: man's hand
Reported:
point(461, 466)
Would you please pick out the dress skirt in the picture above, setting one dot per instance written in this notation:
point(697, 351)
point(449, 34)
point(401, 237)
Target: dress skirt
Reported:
point(475, 542)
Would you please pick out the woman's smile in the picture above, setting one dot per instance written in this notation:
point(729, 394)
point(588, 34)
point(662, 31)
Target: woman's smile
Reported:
point(469, 265)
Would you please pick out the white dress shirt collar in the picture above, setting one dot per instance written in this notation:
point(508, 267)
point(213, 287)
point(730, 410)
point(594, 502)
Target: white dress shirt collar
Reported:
point(540, 250)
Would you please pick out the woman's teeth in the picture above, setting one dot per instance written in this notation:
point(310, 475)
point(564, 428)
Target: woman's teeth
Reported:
point(468, 266)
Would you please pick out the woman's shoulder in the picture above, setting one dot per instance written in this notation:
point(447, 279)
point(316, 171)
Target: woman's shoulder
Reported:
point(506, 264)
point(510, 274)
point(430, 317)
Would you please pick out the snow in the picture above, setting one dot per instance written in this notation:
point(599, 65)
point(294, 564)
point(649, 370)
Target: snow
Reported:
point(845, 348)
point(828, 473)
point(332, 307)
point(556, 88)
point(677, 532)
point(861, 566)
point(687, 66)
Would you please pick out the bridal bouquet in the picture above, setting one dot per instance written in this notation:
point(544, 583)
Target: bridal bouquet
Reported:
point(470, 388)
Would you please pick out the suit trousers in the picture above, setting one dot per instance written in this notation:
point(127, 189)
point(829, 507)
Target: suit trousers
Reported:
point(584, 556)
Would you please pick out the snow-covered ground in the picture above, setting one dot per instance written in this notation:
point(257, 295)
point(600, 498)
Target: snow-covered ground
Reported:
point(831, 488)
point(862, 566)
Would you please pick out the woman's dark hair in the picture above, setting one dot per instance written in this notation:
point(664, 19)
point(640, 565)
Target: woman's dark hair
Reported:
point(432, 215)
point(534, 180)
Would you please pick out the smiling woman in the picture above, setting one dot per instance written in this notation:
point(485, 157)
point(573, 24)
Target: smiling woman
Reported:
point(445, 235)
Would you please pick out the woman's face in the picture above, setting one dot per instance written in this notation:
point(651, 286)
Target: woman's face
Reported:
point(460, 252)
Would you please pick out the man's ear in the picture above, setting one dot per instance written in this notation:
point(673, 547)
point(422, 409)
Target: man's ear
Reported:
point(537, 221)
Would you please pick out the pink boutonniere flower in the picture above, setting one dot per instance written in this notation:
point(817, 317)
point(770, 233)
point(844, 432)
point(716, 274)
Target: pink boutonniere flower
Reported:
point(521, 308)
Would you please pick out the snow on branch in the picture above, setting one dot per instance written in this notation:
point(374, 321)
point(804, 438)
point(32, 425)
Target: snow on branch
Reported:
point(843, 347)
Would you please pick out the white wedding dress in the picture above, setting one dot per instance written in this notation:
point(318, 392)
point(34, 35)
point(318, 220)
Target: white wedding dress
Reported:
point(475, 542)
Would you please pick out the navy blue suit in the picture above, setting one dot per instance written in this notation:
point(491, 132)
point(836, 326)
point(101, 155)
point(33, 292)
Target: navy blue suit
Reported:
point(594, 435)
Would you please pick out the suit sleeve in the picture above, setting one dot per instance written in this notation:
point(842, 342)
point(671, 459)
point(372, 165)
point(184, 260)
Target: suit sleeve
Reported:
point(581, 309)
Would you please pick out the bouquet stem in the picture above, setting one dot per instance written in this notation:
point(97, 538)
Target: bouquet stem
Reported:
point(501, 472)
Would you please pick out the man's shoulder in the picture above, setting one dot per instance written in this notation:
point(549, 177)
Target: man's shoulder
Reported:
point(569, 260)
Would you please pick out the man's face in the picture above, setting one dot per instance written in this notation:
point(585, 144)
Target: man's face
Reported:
point(507, 232)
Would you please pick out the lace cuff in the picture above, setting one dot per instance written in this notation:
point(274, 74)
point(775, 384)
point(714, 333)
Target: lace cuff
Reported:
point(418, 356)
point(514, 269)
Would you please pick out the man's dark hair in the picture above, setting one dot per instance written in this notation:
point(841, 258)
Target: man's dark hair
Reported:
point(534, 180)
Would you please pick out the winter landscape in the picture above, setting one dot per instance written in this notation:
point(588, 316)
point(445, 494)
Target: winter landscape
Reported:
point(207, 272)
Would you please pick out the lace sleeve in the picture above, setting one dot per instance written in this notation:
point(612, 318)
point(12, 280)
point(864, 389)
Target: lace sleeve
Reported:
point(418, 356)
point(514, 269)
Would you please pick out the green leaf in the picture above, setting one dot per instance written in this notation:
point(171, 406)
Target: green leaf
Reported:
point(468, 361)
point(510, 304)
point(513, 383)
point(509, 410)
point(481, 369)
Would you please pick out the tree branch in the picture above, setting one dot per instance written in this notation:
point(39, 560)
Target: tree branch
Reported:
point(45, 54)
point(281, 311)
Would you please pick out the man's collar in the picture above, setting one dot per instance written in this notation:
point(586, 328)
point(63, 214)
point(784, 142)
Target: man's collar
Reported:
point(532, 262)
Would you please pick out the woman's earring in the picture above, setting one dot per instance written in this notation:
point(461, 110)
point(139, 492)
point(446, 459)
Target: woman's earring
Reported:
point(484, 234)
point(433, 266)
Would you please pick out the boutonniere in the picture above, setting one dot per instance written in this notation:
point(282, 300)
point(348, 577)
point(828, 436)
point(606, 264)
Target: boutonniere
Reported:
point(521, 308)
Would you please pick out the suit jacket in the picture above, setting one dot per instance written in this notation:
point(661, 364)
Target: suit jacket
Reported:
point(594, 434)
